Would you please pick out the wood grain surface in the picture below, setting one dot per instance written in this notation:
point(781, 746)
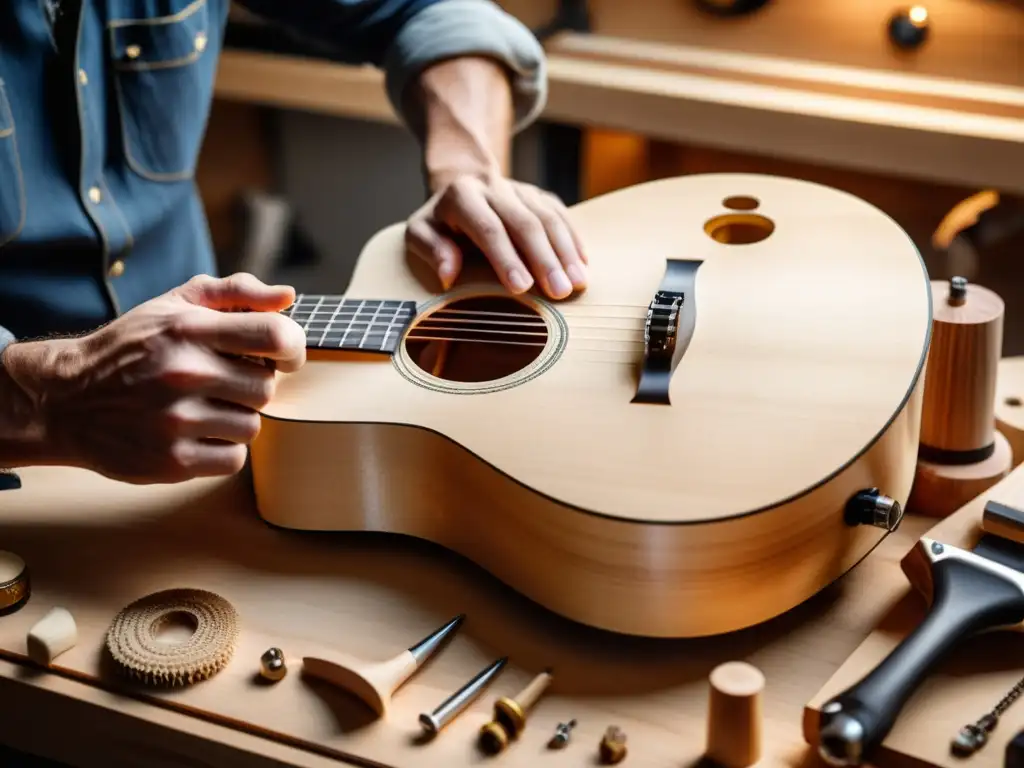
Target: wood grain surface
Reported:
point(95, 546)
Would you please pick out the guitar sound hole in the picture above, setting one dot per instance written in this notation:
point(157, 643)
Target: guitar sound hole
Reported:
point(739, 228)
point(478, 339)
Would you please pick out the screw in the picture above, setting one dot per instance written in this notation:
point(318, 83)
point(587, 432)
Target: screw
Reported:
point(561, 737)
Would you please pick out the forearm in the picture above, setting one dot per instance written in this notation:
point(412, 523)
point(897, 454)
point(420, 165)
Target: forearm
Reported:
point(463, 115)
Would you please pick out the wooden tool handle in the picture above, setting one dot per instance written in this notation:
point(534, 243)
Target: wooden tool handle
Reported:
point(966, 598)
point(529, 695)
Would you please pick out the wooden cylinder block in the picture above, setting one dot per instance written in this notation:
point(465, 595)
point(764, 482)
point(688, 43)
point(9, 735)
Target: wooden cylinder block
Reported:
point(941, 489)
point(734, 730)
point(1010, 404)
point(960, 380)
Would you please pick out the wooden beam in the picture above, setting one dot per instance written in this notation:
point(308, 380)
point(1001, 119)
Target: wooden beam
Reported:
point(929, 128)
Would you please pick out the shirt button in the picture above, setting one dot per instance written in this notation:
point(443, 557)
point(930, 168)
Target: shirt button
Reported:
point(83, 78)
point(201, 41)
point(116, 269)
point(95, 195)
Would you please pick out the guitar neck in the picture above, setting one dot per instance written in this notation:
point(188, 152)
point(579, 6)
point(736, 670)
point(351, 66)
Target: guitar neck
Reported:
point(355, 325)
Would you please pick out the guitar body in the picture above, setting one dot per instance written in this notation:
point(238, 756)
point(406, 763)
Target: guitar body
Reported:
point(693, 484)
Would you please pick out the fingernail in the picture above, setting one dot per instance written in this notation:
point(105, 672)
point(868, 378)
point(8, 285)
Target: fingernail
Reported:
point(446, 274)
point(559, 283)
point(519, 280)
point(577, 275)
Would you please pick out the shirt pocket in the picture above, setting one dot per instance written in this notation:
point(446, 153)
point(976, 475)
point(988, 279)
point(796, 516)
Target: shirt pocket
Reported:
point(12, 181)
point(163, 69)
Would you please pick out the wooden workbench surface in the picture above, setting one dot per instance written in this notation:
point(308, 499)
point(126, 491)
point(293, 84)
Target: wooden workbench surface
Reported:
point(94, 546)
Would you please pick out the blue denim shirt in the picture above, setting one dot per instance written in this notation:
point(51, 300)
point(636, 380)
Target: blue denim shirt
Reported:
point(100, 131)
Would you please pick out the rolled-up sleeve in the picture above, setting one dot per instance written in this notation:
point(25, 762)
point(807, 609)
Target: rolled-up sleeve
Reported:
point(453, 28)
point(404, 37)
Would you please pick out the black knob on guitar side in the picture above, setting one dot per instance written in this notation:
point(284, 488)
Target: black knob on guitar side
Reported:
point(869, 507)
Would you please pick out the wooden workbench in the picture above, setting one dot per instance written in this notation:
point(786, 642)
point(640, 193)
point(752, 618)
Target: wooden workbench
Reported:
point(94, 546)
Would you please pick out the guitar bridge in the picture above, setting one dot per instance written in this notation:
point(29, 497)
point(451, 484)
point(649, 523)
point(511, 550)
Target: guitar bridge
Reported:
point(671, 316)
point(662, 324)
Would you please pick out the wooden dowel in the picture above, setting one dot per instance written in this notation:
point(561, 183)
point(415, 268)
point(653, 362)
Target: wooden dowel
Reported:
point(529, 695)
point(734, 730)
point(963, 361)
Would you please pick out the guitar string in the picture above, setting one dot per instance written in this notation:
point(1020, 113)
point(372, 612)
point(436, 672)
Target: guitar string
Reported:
point(337, 314)
point(426, 329)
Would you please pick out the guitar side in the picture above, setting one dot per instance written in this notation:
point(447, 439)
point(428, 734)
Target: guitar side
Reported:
point(624, 576)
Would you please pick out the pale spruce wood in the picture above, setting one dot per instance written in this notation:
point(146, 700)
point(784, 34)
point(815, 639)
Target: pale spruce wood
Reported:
point(962, 688)
point(806, 353)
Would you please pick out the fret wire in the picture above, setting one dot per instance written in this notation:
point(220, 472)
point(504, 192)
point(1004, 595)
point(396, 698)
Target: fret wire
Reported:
point(350, 327)
point(387, 332)
point(311, 316)
point(369, 325)
point(314, 325)
point(327, 325)
point(351, 315)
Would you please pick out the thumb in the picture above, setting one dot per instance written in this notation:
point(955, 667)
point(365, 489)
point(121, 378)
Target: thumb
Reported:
point(240, 291)
point(436, 249)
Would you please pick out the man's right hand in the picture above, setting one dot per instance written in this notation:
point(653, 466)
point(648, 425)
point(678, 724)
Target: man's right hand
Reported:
point(160, 394)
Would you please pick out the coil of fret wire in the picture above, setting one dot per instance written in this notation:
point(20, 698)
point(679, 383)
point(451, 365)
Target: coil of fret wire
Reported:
point(133, 639)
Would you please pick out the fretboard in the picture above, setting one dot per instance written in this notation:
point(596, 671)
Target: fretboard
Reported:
point(367, 325)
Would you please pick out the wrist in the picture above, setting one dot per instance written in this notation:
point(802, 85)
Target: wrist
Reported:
point(27, 429)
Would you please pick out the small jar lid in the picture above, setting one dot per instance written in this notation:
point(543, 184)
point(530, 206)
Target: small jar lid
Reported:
point(14, 583)
point(12, 567)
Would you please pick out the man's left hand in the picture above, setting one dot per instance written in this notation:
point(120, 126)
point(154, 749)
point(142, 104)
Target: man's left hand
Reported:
point(523, 231)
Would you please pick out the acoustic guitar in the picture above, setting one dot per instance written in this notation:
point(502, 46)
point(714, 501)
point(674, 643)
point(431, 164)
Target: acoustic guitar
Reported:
point(721, 425)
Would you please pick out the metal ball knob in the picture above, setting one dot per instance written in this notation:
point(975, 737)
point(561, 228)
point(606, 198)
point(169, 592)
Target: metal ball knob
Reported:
point(272, 666)
point(909, 27)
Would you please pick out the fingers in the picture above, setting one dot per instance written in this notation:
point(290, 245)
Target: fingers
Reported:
point(206, 458)
point(465, 209)
point(255, 334)
point(551, 202)
point(524, 232)
point(202, 419)
point(240, 291)
point(438, 250)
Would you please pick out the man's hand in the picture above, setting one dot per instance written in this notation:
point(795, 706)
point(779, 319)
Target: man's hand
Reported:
point(523, 232)
point(160, 394)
